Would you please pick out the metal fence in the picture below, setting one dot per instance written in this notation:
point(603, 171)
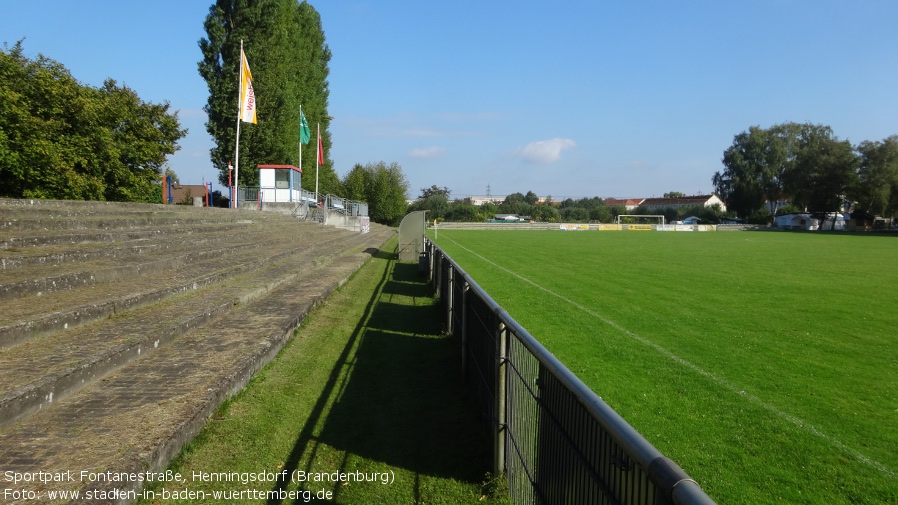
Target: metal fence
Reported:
point(555, 439)
point(247, 197)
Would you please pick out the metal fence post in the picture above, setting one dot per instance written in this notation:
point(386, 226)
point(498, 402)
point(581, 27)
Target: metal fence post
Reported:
point(464, 329)
point(501, 424)
point(429, 248)
point(435, 272)
point(450, 301)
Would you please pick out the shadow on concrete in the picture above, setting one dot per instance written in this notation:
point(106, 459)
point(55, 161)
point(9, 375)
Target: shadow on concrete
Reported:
point(398, 389)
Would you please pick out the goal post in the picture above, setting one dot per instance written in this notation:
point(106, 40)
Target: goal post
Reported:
point(641, 219)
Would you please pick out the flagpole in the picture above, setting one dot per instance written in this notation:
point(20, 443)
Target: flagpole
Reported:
point(300, 143)
point(317, 158)
point(237, 143)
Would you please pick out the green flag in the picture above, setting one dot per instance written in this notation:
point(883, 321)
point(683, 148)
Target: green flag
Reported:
point(305, 135)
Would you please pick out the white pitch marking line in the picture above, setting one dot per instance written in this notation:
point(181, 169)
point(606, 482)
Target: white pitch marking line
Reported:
point(754, 399)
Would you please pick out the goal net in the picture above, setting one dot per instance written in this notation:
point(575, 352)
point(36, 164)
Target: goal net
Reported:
point(640, 219)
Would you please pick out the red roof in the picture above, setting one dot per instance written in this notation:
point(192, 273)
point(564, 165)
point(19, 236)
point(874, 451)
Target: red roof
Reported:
point(282, 166)
point(624, 201)
point(684, 200)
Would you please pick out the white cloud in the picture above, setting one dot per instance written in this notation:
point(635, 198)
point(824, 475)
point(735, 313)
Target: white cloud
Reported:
point(545, 151)
point(427, 152)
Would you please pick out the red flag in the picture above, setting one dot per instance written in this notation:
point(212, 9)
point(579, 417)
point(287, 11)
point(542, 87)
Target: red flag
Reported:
point(320, 148)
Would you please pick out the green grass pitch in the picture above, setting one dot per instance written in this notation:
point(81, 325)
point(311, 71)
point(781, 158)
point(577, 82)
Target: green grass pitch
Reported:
point(764, 363)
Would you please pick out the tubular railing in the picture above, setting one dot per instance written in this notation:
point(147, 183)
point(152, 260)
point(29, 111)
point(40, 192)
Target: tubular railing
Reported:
point(345, 206)
point(336, 203)
point(307, 197)
point(554, 438)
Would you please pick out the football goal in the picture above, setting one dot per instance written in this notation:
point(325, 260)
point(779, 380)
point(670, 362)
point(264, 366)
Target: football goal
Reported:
point(640, 219)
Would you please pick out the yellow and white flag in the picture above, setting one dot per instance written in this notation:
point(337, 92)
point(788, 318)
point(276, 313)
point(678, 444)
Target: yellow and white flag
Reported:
point(247, 96)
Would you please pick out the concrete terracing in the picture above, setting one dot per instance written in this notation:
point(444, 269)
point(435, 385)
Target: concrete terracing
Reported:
point(124, 326)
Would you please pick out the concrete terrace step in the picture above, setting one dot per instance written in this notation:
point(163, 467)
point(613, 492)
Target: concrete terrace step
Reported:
point(18, 216)
point(92, 303)
point(120, 288)
point(46, 269)
point(126, 325)
point(30, 233)
point(50, 250)
point(44, 219)
point(138, 417)
point(45, 369)
point(75, 208)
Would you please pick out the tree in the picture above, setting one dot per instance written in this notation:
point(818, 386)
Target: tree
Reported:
point(355, 183)
point(168, 172)
point(601, 214)
point(674, 194)
point(219, 200)
point(437, 205)
point(434, 190)
point(464, 212)
point(876, 191)
point(781, 156)
point(384, 188)
point(825, 170)
point(61, 139)
point(141, 135)
point(741, 184)
point(516, 203)
point(617, 210)
point(514, 199)
point(546, 212)
point(673, 214)
point(284, 44)
point(783, 160)
point(488, 210)
point(574, 214)
point(44, 149)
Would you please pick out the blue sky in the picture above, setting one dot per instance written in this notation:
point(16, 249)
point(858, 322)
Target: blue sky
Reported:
point(569, 99)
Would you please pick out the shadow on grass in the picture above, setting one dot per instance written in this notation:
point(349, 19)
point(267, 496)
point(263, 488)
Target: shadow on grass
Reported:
point(398, 394)
point(380, 253)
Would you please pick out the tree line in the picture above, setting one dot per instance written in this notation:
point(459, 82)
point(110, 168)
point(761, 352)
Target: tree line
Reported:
point(788, 167)
point(808, 168)
point(61, 139)
point(437, 201)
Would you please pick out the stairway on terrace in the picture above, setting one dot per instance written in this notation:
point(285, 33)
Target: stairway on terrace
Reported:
point(124, 326)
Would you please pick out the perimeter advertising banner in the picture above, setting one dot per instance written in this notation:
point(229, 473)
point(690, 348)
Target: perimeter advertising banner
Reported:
point(573, 227)
point(614, 227)
point(640, 227)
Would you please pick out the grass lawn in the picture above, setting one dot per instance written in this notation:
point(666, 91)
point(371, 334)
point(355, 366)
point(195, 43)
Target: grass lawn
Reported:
point(367, 387)
point(765, 364)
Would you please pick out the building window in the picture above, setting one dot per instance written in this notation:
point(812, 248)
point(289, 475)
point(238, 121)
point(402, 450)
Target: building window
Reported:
point(282, 179)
